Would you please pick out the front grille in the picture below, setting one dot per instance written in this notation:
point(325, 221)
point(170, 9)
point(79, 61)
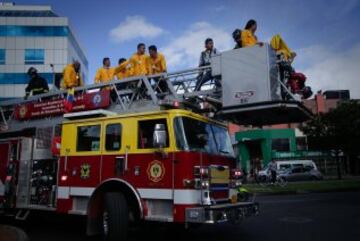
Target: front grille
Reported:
point(219, 183)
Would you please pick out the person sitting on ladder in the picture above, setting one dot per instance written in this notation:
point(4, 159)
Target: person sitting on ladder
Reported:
point(157, 65)
point(105, 73)
point(205, 60)
point(122, 71)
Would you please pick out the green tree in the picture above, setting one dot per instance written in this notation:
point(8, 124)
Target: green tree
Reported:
point(337, 130)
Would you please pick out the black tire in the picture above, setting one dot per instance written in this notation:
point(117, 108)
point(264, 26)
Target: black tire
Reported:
point(9, 233)
point(116, 217)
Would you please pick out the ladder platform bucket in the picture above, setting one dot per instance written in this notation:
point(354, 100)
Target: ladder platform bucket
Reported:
point(266, 113)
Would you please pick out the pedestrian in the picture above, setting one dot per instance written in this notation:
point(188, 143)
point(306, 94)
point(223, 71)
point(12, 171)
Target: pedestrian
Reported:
point(272, 170)
point(205, 60)
point(37, 84)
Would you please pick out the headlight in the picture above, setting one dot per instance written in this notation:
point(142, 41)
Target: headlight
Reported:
point(202, 184)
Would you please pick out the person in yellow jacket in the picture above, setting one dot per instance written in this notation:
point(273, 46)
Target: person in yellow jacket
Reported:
point(72, 76)
point(157, 65)
point(157, 62)
point(122, 71)
point(106, 73)
point(139, 62)
point(249, 39)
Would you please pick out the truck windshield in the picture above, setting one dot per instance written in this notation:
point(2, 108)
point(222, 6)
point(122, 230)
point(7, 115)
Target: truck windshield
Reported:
point(194, 135)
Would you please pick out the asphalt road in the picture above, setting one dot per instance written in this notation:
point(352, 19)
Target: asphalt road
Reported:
point(326, 216)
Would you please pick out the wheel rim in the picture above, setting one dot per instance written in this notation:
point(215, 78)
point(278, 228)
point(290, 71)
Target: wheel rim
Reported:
point(106, 223)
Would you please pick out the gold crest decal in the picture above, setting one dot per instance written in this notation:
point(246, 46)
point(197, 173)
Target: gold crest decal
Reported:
point(22, 111)
point(156, 171)
point(85, 171)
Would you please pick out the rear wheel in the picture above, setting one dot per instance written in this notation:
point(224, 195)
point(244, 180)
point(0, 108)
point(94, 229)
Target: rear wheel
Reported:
point(281, 181)
point(115, 217)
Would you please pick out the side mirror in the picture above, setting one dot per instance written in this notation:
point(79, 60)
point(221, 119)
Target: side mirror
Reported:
point(159, 136)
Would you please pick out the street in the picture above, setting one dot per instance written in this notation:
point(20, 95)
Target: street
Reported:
point(324, 216)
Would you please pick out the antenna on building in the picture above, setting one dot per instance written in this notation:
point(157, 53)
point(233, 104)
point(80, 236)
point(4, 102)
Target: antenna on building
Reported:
point(54, 87)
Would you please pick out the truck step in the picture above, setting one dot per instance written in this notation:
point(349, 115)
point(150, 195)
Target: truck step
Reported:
point(22, 214)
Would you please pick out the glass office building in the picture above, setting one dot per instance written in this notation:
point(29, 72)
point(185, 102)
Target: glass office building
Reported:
point(34, 36)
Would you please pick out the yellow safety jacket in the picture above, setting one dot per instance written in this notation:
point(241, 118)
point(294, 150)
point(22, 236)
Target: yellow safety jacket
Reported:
point(71, 78)
point(139, 64)
point(104, 75)
point(247, 38)
point(123, 70)
point(278, 44)
point(157, 65)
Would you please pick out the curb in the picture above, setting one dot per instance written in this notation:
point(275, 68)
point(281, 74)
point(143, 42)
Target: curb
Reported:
point(297, 192)
point(10, 233)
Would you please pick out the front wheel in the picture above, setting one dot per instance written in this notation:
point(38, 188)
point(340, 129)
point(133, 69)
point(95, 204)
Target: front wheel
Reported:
point(115, 217)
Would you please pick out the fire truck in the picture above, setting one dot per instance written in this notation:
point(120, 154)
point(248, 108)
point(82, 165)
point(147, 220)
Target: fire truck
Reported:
point(147, 154)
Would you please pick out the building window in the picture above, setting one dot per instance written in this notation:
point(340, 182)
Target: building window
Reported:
point(88, 138)
point(34, 31)
point(34, 56)
point(2, 56)
point(113, 137)
point(280, 144)
point(146, 131)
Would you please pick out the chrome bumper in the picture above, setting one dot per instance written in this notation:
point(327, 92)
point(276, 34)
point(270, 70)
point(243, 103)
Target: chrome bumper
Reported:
point(233, 213)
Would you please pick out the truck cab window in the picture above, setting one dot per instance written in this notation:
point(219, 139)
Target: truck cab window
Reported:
point(146, 131)
point(113, 137)
point(88, 138)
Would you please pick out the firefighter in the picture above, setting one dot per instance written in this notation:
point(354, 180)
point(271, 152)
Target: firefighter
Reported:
point(139, 61)
point(157, 65)
point(71, 76)
point(37, 84)
point(106, 73)
point(122, 71)
point(205, 59)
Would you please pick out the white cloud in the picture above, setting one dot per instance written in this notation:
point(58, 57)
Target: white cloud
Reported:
point(329, 70)
point(134, 27)
point(184, 51)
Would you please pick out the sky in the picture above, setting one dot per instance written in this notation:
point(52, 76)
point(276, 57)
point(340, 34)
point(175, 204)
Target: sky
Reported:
point(325, 34)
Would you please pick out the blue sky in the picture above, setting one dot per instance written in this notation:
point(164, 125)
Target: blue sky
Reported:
point(324, 33)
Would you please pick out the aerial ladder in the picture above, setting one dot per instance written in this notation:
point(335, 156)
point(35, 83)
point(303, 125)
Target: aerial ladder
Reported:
point(251, 93)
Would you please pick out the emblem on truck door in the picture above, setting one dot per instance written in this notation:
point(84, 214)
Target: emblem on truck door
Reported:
point(156, 171)
point(85, 171)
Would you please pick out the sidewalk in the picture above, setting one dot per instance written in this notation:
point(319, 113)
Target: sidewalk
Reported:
point(306, 187)
point(9, 233)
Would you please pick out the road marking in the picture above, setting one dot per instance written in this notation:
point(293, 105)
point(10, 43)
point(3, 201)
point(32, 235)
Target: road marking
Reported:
point(296, 219)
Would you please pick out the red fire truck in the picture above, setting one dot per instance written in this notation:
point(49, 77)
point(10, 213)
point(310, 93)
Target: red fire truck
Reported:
point(148, 154)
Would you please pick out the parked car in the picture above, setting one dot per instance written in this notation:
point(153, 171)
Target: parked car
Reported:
point(294, 170)
point(301, 174)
